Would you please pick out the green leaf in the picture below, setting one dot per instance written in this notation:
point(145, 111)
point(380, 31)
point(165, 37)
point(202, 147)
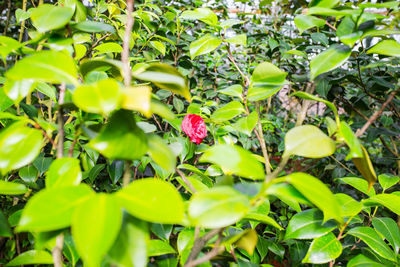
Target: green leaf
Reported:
point(52, 209)
point(28, 174)
point(330, 59)
point(266, 74)
point(46, 89)
point(374, 241)
point(64, 172)
point(19, 145)
point(359, 184)
point(217, 207)
point(349, 206)
point(386, 47)
point(161, 153)
point(48, 17)
point(263, 218)
point(240, 161)
point(304, 22)
point(17, 90)
point(130, 248)
point(317, 193)
point(233, 90)
point(93, 26)
point(5, 102)
point(308, 96)
point(31, 257)
point(246, 124)
point(153, 200)
point(308, 224)
point(5, 229)
point(204, 14)
point(11, 188)
point(204, 45)
point(240, 39)
point(95, 226)
point(101, 97)
point(390, 201)
point(308, 141)
point(160, 47)
point(165, 77)
point(227, 112)
point(121, 138)
point(324, 3)
point(365, 167)
point(109, 47)
point(389, 229)
point(137, 98)
point(288, 194)
point(363, 261)
point(101, 64)
point(157, 247)
point(46, 66)
point(388, 180)
point(7, 46)
point(260, 91)
point(323, 249)
point(323, 11)
point(351, 140)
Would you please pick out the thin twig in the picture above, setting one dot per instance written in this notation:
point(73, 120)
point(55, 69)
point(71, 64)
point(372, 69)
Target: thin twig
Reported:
point(262, 141)
point(127, 174)
point(125, 46)
point(186, 181)
point(377, 113)
point(200, 242)
point(94, 45)
point(214, 252)
point(306, 103)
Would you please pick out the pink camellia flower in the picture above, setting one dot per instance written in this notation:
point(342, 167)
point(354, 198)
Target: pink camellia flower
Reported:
point(193, 125)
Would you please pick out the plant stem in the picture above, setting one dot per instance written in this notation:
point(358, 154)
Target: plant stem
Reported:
point(262, 140)
point(125, 46)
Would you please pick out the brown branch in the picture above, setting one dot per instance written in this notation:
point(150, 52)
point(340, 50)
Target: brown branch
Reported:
point(186, 181)
point(94, 46)
point(330, 25)
point(214, 252)
point(377, 113)
point(125, 46)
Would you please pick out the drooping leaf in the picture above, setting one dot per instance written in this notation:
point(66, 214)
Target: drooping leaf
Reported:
point(121, 138)
point(317, 193)
point(152, 200)
point(46, 66)
point(323, 249)
point(31, 257)
point(19, 145)
point(351, 140)
point(387, 48)
point(240, 161)
point(308, 141)
point(330, 59)
point(365, 167)
point(63, 172)
point(374, 241)
point(217, 207)
point(204, 45)
point(52, 209)
point(359, 184)
point(95, 226)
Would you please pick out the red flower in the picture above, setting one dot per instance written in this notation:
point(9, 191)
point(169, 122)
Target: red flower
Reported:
point(194, 126)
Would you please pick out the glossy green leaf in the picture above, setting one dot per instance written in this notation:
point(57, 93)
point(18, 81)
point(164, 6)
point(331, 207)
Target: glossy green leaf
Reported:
point(121, 138)
point(324, 11)
point(49, 17)
point(95, 226)
point(365, 167)
point(387, 48)
point(93, 26)
point(102, 97)
point(304, 22)
point(240, 161)
point(204, 14)
point(308, 96)
point(389, 229)
point(46, 66)
point(130, 248)
point(160, 47)
point(101, 64)
point(308, 224)
point(348, 205)
point(317, 193)
point(267, 73)
point(5, 229)
point(324, 3)
point(11, 188)
point(263, 218)
point(240, 39)
point(359, 184)
point(233, 90)
point(390, 201)
point(387, 180)
point(323, 249)
point(288, 194)
point(227, 112)
point(217, 207)
point(152, 200)
point(165, 77)
point(351, 140)
point(204, 45)
point(363, 261)
point(31, 257)
point(330, 59)
point(308, 141)
point(374, 241)
point(137, 98)
point(5, 102)
point(7, 46)
point(52, 208)
point(19, 145)
point(28, 174)
point(246, 124)
point(64, 172)
point(260, 91)
point(161, 153)
point(157, 247)
point(19, 89)
point(109, 47)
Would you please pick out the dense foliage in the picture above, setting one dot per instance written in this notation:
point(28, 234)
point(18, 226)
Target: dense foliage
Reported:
point(184, 133)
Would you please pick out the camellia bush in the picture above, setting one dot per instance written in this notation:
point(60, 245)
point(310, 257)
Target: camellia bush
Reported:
point(195, 133)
